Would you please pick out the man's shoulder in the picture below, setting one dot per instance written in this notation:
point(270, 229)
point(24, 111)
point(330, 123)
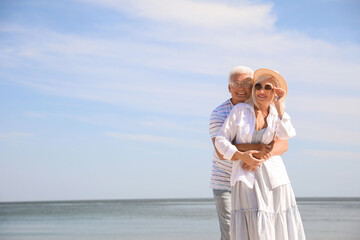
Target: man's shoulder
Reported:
point(225, 105)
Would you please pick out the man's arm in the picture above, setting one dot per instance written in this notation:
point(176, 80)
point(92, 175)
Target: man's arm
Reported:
point(276, 147)
point(280, 147)
point(244, 155)
point(241, 147)
point(217, 152)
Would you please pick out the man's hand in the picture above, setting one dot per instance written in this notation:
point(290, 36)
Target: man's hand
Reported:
point(264, 152)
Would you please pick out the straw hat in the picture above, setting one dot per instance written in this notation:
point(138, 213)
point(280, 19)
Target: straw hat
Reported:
point(276, 75)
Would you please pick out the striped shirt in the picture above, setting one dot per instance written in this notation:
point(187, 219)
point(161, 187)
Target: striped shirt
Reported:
point(221, 169)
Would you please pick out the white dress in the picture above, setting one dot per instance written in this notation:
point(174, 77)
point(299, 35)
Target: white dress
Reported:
point(263, 212)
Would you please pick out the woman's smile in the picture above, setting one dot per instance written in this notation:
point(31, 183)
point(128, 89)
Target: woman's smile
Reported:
point(261, 96)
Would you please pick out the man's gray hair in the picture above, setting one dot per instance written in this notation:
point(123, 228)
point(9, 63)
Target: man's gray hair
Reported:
point(240, 70)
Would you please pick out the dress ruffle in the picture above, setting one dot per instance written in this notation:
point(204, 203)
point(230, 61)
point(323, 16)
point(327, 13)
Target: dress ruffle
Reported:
point(264, 213)
point(262, 225)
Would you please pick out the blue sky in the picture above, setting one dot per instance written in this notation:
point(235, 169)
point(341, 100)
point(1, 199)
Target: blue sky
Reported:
point(104, 99)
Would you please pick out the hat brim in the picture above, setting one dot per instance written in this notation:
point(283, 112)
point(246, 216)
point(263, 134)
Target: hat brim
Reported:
point(276, 75)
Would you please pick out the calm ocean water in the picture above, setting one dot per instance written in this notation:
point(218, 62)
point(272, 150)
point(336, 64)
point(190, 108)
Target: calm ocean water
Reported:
point(175, 219)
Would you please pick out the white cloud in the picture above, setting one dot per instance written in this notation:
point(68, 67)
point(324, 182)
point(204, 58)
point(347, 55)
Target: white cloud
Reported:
point(327, 131)
point(35, 115)
point(144, 71)
point(117, 121)
point(175, 125)
point(326, 119)
point(158, 139)
point(14, 135)
point(173, 57)
point(143, 138)
point(331, 154)
point(195, 13)
point(107, 78)
point(340, 105)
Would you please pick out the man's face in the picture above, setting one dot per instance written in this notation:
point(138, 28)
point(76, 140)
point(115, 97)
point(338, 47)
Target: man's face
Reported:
point(240, 88)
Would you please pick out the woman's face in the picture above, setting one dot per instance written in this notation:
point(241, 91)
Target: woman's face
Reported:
point(264, 92)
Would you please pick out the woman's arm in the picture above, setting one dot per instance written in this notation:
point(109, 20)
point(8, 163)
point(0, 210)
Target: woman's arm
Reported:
point(279, 98)
point(285, 129)
point(223, 142)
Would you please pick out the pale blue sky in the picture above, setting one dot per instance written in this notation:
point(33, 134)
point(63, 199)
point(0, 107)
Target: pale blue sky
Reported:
point(105, 99)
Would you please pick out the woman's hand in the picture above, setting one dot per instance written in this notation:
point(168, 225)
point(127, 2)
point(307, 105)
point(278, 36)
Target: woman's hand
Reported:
point(280, 94)
point(279, 98)
point(264, 154)
point(248, 158)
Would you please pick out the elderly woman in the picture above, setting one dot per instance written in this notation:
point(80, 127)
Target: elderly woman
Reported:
point(263, 202)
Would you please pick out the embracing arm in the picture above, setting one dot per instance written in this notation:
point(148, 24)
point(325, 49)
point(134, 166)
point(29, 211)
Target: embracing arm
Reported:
point(280, 147)
point(224, 145)
point(245, 153)
point(241, 147)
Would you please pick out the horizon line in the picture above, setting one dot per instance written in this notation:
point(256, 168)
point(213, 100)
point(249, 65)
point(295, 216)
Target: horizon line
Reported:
point(167, 199)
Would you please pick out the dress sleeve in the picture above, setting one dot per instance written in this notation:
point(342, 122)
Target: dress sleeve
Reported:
point(285, 129)
point(226, 135)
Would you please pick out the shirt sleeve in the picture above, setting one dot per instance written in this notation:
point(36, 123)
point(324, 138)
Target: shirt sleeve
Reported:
point(226, 135)
point(216, 121)
point(285, 129)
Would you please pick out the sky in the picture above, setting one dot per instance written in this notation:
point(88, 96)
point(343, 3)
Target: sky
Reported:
point(105, 99)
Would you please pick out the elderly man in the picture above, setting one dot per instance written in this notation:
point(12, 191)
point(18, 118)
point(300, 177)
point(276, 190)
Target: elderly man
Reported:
point(240, 85)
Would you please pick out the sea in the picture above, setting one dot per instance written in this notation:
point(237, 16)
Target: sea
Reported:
point(159, 219)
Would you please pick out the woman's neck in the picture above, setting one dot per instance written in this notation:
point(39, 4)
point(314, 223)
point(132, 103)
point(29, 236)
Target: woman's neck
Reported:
point(263, 108)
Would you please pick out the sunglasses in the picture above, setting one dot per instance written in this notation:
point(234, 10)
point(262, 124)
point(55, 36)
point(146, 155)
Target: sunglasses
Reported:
point(258, 86)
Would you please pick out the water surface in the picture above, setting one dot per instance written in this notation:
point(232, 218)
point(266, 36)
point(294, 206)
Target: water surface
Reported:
point(160, 219)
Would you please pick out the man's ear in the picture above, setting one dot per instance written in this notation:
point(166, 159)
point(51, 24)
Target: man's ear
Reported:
point(229, 88)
